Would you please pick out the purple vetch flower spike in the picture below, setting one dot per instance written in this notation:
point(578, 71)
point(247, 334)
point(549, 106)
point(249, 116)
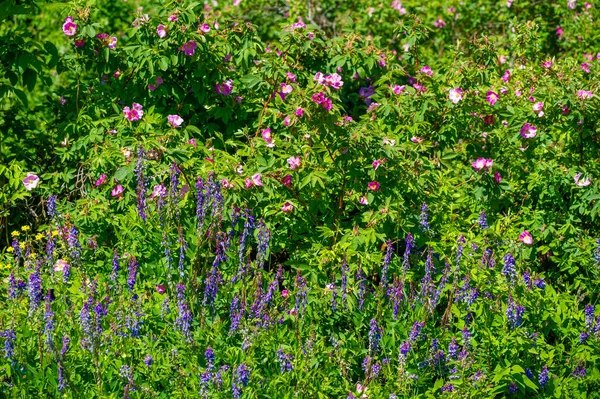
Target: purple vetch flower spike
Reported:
point(397, 295)
point(73, 242)
point(415, 332)
point(543, 377)
point(285, 361)
point(50, 247)
point(218, 202)
point(65, 346)
point(115, 269)
point(514, 313)
point(333, 297)
point(35, 291)
point(589, 317)
point(375, 334)
point(344, 287)
point(184, 319)
point(86, 323)
point(264, 236)
point(132, 273)
point(301, 293)
point(183, 246)
point(246, 232)
point(508, 270)
point(209, 355)
point(13, 285)
point(51, 207)
point(62, 384)
point(362, 288)
point(487, 258)
point(16, 250)
point(483, 224)
point(241, 377)
point(201, 202)
point(49, 322)
point(453, 349)
point(236, 312)
point(386, 263)
point(424, 218)
point(174, 192)
point(148, 360)
point(410, 244)
point(405, 348)
point(205, 378)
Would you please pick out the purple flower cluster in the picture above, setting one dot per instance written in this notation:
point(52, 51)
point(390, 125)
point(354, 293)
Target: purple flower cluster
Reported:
point(184, 318)
point(132, 273)
point(424, 218)
point(386, 263)
point(514, 313)
point(241, 377)
point(410, 244)
point(375, 333)
point(508, 270)
point(285, 361)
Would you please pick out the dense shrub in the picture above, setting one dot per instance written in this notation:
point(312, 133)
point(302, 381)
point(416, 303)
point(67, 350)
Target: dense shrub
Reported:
point(292, 199)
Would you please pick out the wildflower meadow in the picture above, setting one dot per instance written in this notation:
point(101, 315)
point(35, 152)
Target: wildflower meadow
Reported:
point(299, 199)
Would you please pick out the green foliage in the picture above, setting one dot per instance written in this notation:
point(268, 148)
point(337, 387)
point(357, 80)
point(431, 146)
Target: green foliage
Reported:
point(248, 177)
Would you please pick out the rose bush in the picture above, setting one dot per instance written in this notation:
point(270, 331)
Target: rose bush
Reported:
point(302, 200)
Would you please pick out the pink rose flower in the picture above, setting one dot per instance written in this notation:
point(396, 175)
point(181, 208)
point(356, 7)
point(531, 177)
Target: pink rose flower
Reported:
point(427, 70)
point(363, 200)
point(69, 27)
point(224, 88)
point(287, 180)
point(294, 162)
point(528, 131)
point(526, 238)
point(134, 113)
point(482, 164)
point(268, 137)
point(112, 43)
point(189, 47)
point(377, 163)
point(101, 180)
point(491, 97)
point(161, 288)
point(117, 191)
point(227, 184)
point(256, 180)
point(584, 94)
point(581, 182)
point(204, 28)
point(31, 181)
point(175, 120)
point(162, 31)
point(373, 186)
point(287, 207)
point(456, 95)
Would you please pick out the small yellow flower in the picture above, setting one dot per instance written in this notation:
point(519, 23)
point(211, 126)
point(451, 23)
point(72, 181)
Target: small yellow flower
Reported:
point(15, 233)
point(25, 228)
point(39, 236)
point(54, 233)
point(33, 255)
point(22, 245)
point(10, 249)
